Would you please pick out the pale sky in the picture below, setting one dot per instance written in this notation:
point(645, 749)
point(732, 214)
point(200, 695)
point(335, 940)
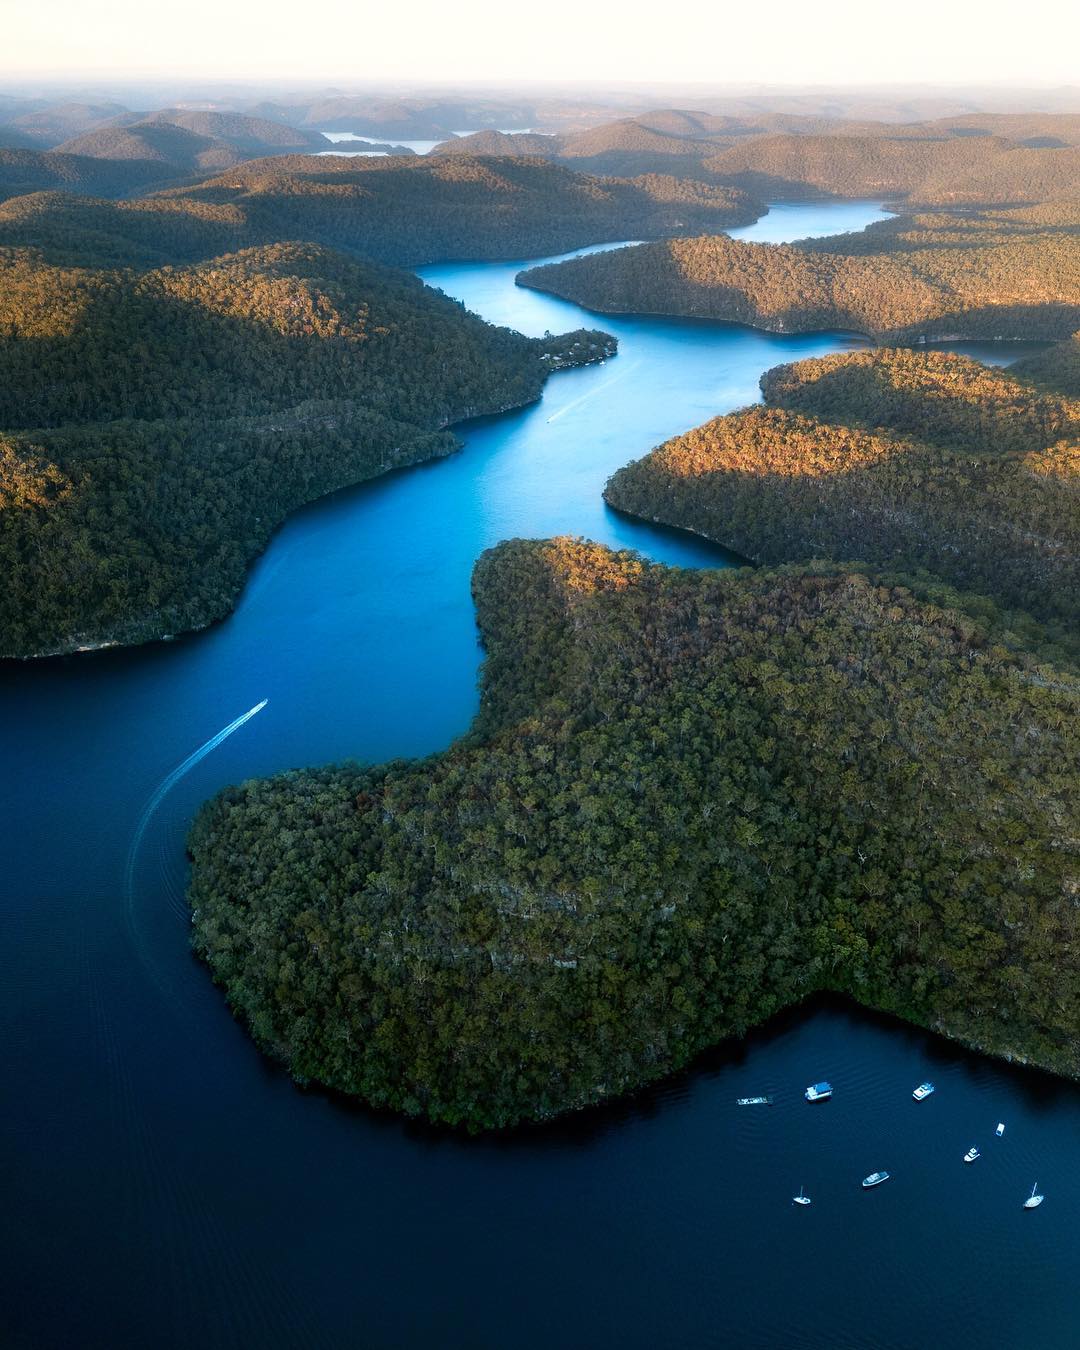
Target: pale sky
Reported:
point(951, 42)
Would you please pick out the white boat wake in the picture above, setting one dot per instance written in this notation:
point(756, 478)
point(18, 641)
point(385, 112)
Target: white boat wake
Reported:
point(577, 402)
point(158, 796)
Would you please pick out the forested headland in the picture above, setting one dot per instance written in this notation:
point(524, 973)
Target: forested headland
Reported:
point(918, 462)
point(1004, 274)
point(158, 425)
point(689, 799)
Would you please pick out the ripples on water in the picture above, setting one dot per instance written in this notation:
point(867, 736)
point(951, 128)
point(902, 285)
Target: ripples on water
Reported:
point(166, 1186)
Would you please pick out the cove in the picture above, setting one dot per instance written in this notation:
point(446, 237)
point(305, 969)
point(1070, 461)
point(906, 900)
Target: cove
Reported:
point(166, 1186)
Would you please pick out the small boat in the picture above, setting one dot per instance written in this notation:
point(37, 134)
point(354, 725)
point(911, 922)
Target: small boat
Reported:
point(753, 1101)
point(1033, 1201)
point(874, 1179)
point(1000, 1129)
point(802, 1198)
point(818, 1092)
point(971, 1154)
point(923, 1091)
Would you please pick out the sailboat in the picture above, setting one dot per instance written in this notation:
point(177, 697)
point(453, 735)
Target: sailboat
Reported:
point(802, 1198)
point(1033, 1201)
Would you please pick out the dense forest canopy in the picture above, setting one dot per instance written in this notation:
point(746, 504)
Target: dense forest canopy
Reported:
point(401, 211)
point(422, 209)
point(690, 798)
point(157, 425)
point(1000, 274)
point(919, 462)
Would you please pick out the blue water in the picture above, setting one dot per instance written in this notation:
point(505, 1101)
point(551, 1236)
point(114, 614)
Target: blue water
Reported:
point(162, 1185)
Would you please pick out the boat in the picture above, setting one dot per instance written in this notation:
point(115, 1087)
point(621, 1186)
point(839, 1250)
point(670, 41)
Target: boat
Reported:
point(923, 1091)
point(802, 1198)
point(753, 1101)
point(1033, 1201)
point(971, 1154)
point(1000, 1129)
point(818, 1092)
point(874, 1179)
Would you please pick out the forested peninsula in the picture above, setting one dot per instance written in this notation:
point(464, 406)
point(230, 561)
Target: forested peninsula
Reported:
point(922, 462)
point(689, 799)
point(1003, 274)
point(156, 426)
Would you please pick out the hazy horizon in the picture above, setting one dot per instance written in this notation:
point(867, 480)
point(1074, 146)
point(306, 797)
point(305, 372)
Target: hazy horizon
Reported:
point(835, 45)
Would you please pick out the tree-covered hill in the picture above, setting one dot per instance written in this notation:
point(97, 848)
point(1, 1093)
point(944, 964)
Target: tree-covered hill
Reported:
point(422, 209)
point(508, 145)
point(190, 141)
point(155, 427)
point(997, 275)
point(690, 799)
point(919, 462)
point(23, 171)
point(946, 170)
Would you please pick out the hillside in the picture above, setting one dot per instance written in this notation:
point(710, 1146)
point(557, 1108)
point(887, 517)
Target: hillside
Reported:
point(156, 427)
point(665, 826)
point(423, 209)
point(968, 169)
point(23, 171)
point(513, 145)
point(918, 462)
point(915, 279)
point(189, 142)
point(61, 121)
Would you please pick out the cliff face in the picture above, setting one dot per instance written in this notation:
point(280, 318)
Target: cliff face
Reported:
point(688, 800)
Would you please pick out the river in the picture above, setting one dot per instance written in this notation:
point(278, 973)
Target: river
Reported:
point(165, 1186)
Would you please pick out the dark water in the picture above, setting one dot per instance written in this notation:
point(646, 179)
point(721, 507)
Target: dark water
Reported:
point(163, 1186)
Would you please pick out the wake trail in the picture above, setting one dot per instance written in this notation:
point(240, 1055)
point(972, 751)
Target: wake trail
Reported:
point(160, 793)
point(577, 402)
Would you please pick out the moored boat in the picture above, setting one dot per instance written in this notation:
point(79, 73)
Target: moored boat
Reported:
point(1000, 1129)
point(923, 1091)
point(753, 1101)
point(818, 1092)
point(874, 1179)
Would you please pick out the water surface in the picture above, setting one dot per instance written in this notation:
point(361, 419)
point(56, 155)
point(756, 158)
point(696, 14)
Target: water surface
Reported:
point(165, 1186)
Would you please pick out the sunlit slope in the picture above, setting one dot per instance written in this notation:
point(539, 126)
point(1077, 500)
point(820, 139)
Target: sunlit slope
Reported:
point(156, 426)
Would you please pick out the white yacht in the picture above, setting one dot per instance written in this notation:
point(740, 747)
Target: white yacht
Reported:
point(802, 1198)
point(1033, 1201)
point(1000, 1129)
point(971, 1154)
point(874, 1179)
point(923, 1091)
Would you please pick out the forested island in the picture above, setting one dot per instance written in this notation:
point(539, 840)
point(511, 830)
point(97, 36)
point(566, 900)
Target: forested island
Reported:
point(1004, 274)
point(689, 799)
point(158, 425)
point(923, 462)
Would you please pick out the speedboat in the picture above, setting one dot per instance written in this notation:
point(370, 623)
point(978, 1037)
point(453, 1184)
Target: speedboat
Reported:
point(874, 1179)
point(819, 1092)
point(1033, 1201)
point(971, 1154)
point(802, 1198)
point(923, 1091)
point(1000, 1129)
